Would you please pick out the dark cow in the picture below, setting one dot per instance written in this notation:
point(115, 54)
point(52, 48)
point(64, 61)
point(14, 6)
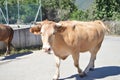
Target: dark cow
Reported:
point(6, 35)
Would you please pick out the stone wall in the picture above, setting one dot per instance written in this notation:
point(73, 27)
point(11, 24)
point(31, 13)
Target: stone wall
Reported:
point(23, 38)
point(114, 27)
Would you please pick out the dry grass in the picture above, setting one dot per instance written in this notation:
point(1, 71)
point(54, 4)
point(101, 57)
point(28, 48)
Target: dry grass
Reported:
point(20, 50)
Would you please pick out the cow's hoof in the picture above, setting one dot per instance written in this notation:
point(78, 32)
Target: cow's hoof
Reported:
point(82, 74)
point(6, 55)
point(91, 69)
point(55, 77)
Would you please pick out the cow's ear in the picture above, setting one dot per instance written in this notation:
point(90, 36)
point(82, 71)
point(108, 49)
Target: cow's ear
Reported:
point(35, 30)
point(59, 27)
point(37, 23)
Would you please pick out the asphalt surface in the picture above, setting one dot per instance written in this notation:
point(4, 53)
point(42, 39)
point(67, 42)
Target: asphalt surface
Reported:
point(38, 65)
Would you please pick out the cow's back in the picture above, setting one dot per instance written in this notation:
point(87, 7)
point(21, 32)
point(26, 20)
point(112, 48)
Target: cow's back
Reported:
point(90, 35)
point(82, 36)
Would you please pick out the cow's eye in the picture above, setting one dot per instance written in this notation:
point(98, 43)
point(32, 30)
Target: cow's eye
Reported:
point(41, 33)
point(53, 33)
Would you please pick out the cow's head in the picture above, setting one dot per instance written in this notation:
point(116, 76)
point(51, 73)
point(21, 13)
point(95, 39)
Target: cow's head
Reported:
point(47, 30)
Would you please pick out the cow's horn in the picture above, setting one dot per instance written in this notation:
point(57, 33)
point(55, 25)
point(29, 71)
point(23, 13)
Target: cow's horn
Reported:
point(38, 22)
point(58, 24)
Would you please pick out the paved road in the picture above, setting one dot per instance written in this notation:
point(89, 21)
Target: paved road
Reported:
point(37, 65)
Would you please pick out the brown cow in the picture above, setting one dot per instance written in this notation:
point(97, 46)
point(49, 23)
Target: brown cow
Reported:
point(70, 38)
point(6, 35)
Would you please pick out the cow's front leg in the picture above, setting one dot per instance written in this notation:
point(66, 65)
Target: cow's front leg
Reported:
point(57, 73)
point(76, 63)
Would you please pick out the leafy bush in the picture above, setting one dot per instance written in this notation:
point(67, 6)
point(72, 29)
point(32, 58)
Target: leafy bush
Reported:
point(57, 10)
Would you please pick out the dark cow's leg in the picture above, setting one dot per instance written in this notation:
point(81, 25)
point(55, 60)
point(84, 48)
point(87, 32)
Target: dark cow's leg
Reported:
point(93, 52)
point(7, 48)
point(57, 73)
point(76, 63)
point(8, 42)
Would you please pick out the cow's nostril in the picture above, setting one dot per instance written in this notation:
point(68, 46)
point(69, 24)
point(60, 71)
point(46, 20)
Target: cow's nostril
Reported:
point(46, 49)
point(49, 49)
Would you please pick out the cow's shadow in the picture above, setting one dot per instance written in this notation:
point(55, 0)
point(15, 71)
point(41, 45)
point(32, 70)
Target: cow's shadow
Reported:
point(98, 73)
point(13, 57)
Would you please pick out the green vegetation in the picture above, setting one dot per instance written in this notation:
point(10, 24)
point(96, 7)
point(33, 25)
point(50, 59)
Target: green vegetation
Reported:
point(101, 9)
point(27, 10)
point(57, 10)
point(21, 50)
point(107, 9)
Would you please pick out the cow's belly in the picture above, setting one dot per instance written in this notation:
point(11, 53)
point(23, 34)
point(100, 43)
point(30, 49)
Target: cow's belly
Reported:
point(64, 51)
point(4, 36)
point(86, 46)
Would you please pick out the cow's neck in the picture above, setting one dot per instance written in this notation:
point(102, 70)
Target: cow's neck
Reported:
point(59, 46)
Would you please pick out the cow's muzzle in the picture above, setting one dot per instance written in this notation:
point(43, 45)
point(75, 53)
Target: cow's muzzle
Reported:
point(47, 50)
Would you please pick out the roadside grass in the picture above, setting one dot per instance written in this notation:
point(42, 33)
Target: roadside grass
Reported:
point(20, 50)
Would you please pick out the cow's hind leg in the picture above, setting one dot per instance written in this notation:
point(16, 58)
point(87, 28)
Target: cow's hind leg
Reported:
point(76, 63)
point(8, 42)
point(93, 52)
point(7, 49)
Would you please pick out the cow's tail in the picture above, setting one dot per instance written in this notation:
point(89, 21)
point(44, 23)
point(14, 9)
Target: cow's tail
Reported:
point(11, 34)
point(11, 37)
point(105, 27)
point(12, 45)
